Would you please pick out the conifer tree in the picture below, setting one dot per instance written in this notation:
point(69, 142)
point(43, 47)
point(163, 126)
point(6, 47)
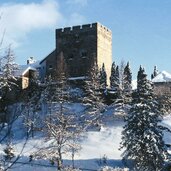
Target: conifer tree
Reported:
point(142, 136)
point(155, 72)
point(113, 70)
point(115, 85)
point(114, 78)
point(119, 101)
point(93, 97)
point(103, 78)
point(127, 80)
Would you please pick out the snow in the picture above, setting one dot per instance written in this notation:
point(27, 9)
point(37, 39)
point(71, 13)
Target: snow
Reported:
point(95, 145)
point(77, 78)
point(106, 142)
point(167, 122)
point(134, 84)
point(162, 77)
point(22, 69)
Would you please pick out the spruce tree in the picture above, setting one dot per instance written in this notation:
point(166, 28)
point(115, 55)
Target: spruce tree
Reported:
point(114, 83)
point(114, 78)
point(155, 72)
point(113, 70)
point(93, 100)
point(142, 136)
point(103, 78)
point(127, 80)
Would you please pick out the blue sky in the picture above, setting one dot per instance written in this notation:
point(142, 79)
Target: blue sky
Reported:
point(141, 28)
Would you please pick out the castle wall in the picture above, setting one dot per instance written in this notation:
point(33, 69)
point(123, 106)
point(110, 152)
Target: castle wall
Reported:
point(82, 45)
point(104, 48)
point(162, 88)
point(79, 46)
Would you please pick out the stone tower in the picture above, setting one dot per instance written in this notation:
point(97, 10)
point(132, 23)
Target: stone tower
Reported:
point(81, 47)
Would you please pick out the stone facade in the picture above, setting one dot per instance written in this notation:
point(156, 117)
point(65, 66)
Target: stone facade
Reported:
point(81, 47)
point(162, 88)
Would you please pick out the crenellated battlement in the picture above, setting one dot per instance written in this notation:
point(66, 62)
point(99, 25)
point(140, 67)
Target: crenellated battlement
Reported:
point(82, 47)
point(80, 28)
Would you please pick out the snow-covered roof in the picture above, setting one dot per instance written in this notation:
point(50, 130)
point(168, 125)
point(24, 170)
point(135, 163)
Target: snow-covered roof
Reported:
point(22, 69)
point(29, 68)
point(34, 65)
point(162, 77)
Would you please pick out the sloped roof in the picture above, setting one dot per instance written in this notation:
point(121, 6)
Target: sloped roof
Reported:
point(50, 55)
point(162, 77)
point(22, 69)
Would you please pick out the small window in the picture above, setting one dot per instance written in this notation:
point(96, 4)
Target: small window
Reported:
point(77, 36)
point(71, 56)
point(50, 66)
point(84, 54)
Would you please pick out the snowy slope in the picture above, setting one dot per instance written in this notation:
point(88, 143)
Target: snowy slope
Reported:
point(95, 145)
point(162, 77)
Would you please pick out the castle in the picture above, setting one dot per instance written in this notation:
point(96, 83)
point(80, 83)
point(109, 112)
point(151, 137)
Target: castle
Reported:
point(81, 47)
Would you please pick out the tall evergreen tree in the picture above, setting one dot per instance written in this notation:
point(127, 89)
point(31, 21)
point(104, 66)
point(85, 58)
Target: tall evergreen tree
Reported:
point(114, 78)
point(121, 74)
point(103, 77)
point(127, 80)
point(155, 72)
point(93, 97)
point(113, 70)
point(142, 136)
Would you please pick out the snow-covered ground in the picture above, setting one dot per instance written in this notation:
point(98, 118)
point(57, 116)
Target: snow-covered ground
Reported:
point(95, 146)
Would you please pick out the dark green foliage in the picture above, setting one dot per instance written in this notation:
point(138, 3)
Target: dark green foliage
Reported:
point(127, 84)
point(114, 78)
point(164, 104)
point(155, 72)
point(142, 136)
point(93, 100)
point(127, 78)
point(103, 78)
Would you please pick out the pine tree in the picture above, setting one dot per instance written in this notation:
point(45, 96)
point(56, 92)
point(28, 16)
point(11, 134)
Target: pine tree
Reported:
point(93, 97)
point(113, 70)
point(121, 74)
point(114, 78)
point(118, 103)
point(103, 78)
point(155, 72)
point(142, 136)
point(127, 81)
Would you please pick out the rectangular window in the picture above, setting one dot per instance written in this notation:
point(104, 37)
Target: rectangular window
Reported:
point(50, 67)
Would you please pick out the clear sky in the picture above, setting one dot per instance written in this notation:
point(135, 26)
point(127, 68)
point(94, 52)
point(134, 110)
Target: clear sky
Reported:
point(141, 28)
